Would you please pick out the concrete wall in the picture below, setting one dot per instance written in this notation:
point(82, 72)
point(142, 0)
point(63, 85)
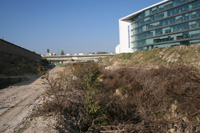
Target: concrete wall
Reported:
point(124, 46)
point(9, 50)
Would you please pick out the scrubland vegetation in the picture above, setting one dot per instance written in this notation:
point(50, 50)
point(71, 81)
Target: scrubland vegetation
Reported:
point(146, 91)
point(90, 98)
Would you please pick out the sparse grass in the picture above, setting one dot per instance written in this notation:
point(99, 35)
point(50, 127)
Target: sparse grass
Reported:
point(126, 56)
point(176, 55)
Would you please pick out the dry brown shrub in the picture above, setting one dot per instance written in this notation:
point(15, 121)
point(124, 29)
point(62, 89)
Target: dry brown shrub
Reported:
point(166, 86)
point(128, 99)
point(159, 97)
point(121, 87)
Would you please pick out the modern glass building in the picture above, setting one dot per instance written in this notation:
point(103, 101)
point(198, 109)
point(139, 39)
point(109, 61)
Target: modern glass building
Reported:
point(168, 23)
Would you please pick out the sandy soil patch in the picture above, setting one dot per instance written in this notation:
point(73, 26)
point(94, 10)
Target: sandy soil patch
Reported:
point(18, 101)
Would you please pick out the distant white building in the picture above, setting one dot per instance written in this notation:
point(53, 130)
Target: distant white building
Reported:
point(50, 54)
point(80, 54)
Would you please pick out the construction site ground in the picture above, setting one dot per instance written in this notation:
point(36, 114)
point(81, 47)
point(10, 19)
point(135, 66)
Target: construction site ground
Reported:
point(19, 100)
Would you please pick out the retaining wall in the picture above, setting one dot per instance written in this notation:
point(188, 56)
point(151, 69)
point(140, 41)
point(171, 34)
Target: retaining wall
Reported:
point(9, 50)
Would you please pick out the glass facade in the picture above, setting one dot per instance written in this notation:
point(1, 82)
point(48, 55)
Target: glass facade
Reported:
point(173, 22)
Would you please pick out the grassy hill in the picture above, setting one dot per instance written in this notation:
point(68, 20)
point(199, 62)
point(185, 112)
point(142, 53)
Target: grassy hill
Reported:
point(185, 55)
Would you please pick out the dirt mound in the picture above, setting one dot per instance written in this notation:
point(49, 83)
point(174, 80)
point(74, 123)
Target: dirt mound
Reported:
point(168, 56)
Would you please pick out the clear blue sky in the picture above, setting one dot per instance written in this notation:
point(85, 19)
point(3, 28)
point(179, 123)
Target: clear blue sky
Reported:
point(75, 26)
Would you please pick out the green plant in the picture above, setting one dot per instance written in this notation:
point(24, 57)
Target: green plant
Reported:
point(86, 75)
point(97, 112)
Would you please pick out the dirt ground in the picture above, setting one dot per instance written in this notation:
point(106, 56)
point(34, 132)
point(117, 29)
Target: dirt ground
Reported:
point(18, 101)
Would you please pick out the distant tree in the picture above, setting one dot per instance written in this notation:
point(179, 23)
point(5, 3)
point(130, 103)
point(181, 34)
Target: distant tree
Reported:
point(62, 52)
point(91, 53)
point(48, 51)
point(102, 52)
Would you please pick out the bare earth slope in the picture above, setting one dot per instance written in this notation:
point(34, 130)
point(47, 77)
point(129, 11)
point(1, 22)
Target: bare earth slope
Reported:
point(177, 55)
point(17, 101)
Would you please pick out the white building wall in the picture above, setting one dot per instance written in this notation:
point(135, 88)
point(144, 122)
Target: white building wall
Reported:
point(124, 46)
point(117, 49)
point(123, 30)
